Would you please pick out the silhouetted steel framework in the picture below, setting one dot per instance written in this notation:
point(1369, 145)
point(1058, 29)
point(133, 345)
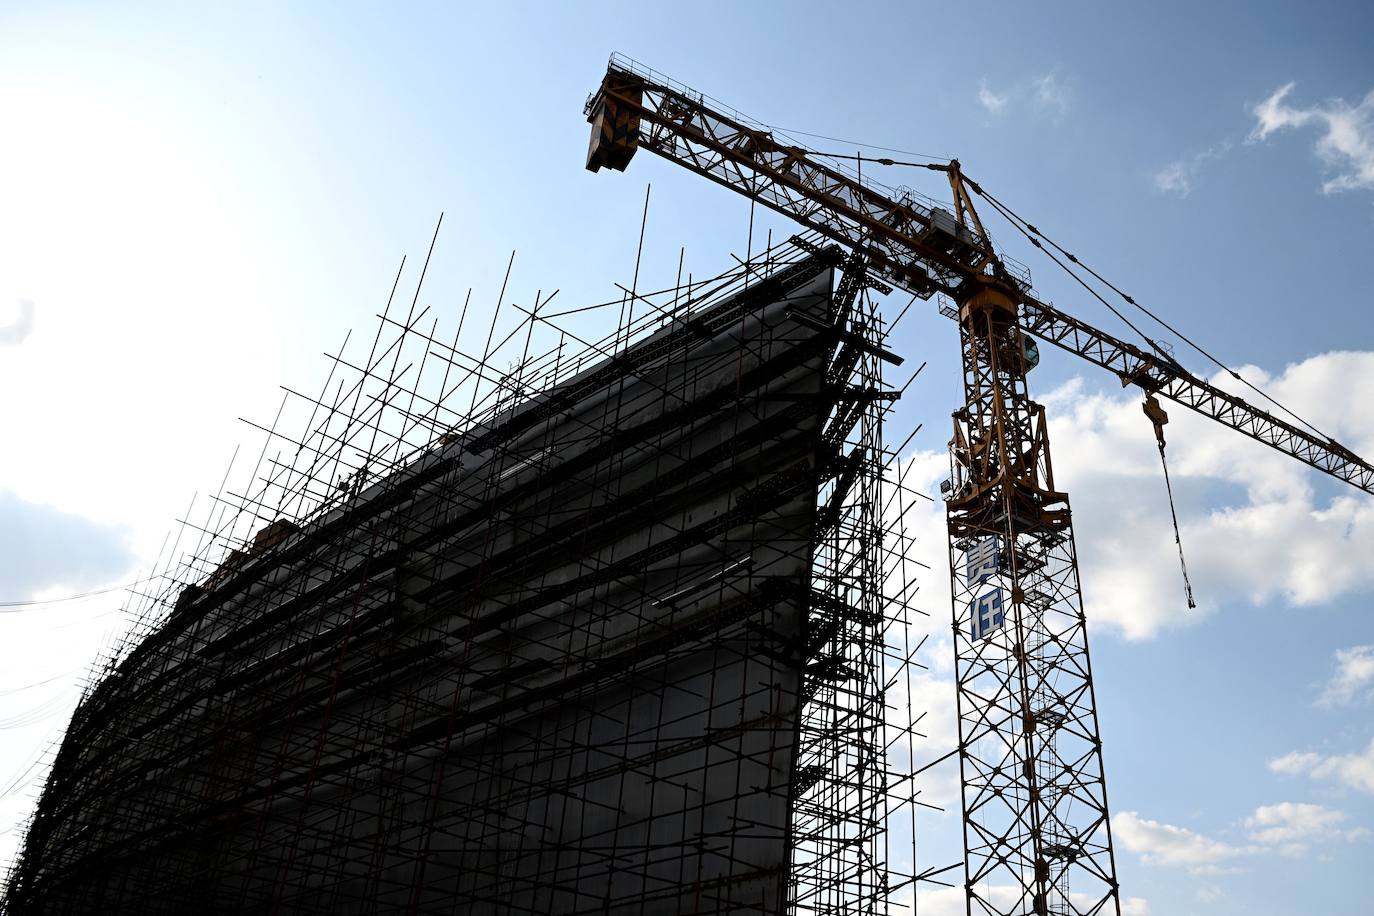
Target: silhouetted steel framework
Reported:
point(1037, 833)
point(1034, 795)
point(602, 633)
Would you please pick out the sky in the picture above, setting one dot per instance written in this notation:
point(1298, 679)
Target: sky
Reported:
point(196, 203)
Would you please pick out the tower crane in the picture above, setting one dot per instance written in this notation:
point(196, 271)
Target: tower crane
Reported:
point(1035, 814)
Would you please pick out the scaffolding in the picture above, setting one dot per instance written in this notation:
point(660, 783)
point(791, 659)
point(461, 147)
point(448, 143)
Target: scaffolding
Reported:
point(605, 626)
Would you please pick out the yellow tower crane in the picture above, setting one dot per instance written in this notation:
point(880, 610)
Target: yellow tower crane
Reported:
point(1033, 789)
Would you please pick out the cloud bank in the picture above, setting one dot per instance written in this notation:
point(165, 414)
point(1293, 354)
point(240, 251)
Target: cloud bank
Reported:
point(1179, 177)
point(1346, 134)
point(1286, 829)
point(1258, 526)
point(1354, 770)
point(18, 330)
point(1353, 678)
point(46, 547)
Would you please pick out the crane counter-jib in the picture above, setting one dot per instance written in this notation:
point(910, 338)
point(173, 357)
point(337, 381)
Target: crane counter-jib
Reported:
point(908, 239)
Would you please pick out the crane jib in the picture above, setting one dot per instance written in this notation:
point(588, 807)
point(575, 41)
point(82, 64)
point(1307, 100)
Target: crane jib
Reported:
point(919, 248)
point(911, 242)
point(1155, 373)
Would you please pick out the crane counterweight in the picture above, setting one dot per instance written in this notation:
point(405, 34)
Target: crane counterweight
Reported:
point(615, 124)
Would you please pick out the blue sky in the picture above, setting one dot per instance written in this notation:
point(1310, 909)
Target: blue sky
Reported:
point(197, 202)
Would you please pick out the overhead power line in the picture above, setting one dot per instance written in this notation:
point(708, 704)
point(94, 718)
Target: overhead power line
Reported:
point(11, 606)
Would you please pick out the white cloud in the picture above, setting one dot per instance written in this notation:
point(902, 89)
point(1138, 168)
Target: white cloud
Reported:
point(1294, 762)
point(1046, 95)
point(1051, 94)
point(1272, 114)
point(1346, 143)
point(1180, 176)
point(1135, 906)
point(1354, 770)
point(1289, 826)
point(932, 699)
point(1174, 178)
point(990, 100)
point(1164, 844)
point(1266, 535)
point(1285, 828)
point(1353, 677)
point(16, 331)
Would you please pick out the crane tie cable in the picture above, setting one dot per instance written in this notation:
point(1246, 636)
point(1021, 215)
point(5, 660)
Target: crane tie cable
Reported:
point(1022, 226)
point(882, 160)
point(887, 149)
point(1034, 234)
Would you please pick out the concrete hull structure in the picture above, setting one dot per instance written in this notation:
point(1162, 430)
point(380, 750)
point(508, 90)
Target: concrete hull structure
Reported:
point(555, 664)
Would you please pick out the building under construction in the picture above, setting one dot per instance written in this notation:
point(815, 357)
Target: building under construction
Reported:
point(622, 625)
point(606, 638)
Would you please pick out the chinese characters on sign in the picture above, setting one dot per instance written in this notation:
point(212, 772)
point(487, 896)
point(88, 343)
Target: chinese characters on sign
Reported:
point(980, 565)
point(987, 614)
point(980, 561)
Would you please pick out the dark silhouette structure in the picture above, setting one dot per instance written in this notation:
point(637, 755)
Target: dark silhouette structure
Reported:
point(608, 643)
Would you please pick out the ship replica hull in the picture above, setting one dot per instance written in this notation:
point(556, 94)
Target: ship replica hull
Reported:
point(552, 666)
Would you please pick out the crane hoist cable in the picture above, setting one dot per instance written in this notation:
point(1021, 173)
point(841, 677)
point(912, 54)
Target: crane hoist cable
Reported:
point(1152, 408)
point(1158, 417)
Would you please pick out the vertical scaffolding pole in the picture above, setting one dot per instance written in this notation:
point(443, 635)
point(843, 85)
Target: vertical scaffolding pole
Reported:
point(838, 857)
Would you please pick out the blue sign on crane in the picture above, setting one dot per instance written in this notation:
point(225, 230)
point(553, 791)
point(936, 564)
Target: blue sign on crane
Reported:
point(980, 561)
point(987, 614)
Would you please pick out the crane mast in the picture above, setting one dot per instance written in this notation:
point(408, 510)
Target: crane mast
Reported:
point(1034, 797)
point(1037, 833)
